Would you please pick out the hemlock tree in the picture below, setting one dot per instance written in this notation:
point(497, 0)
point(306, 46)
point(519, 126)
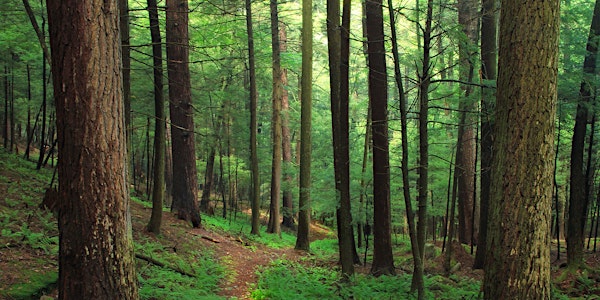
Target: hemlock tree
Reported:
point(489, 62)
point(255, 193)
point(302, 240)
point(383, 260)
point(579, 192)
point(96, 248)
point(185, 176)
point(158, 189)
point(274, 225)
point(518, 245)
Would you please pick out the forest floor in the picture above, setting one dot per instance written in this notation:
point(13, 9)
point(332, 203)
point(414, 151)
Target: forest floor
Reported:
point(29, 243)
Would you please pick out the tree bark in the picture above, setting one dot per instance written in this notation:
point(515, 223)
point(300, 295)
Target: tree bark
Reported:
point(302, 241)
point(255, 193)
point(185, 178)
point(578, 200)
point(518, 246)
point(467, 10)
point(96, 248)
point(288, 201)
point(489, 62)
point(383, 259)
point(158, 189)
point(274, 225)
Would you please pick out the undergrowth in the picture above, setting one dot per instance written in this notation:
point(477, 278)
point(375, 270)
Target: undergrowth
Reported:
point(186, 275)
point(287, 280)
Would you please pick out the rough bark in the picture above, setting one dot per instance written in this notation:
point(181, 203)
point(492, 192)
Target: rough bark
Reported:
point(578, 193)
point(274, 225)
point(158, 188)
point(288, 201)
point(96, 248)
point(126, 61)
point(302, 241)
point(255, 193)
point(518, 246)
point(383, 260)
point(489, 62)
point(185, 178)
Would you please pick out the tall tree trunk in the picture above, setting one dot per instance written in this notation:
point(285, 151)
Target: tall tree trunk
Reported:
point(338, 80)
point(424, 82)
point(302, 241)
point(578, 201)
point(126, 61)
point(158, 190)
point(185, 178)
point(489, 62)
point(28, 129)
point(274, 225)
point(44, 110)
point(383, 260)
point(288, 203)
point(518, 246)
point(467, 10)
point(418, 282)
point(255, 193)
point(96, 247)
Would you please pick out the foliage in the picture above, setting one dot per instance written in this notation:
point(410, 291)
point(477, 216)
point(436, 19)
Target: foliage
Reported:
point(287, 280)
point(165, 283)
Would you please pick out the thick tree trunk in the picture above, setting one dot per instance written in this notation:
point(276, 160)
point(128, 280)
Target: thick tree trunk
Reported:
point(383, 259)
point(96, 248)
point(158, 188)
point(518, 245)
point(578, 200)
point(467, 10)
point(302, 241)
point(274, 225)
point(185, 178)
point(489, 61)
point(126, 60)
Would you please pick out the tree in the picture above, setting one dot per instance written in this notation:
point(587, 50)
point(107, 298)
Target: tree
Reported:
point(274, 225)
point(338, 46)
point(158, 189)
point(579, 192)
point(255, 193)
point(286, 142)
point(302, 240)
point(126, 60)
point(95, 247)
point(185, 178)
point(465, 160)
point(489, 62)
point(418, 282)
point(423, 161)
point(383, 260)
point(518, 245)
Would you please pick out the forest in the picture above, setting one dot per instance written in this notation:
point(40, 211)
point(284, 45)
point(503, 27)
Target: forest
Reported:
point(301, 149)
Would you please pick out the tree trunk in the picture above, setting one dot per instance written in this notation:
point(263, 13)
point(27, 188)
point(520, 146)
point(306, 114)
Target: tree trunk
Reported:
point(185, 178)
point(288, 203)
point(255, 193)
point(208, 182)
point(518, 245)
point(489, 61)
point(158, 190)
point(424, 82)
point(96, 248)
point(383, 260)
point(578, 200)
point(274, 225)
point(302, 241)
point(467, 10)
point(126, 60)
point(418, 282)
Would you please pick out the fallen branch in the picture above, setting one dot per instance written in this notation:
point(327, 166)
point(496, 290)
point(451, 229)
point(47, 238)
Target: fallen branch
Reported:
point(209, 239)
point(163, 265)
